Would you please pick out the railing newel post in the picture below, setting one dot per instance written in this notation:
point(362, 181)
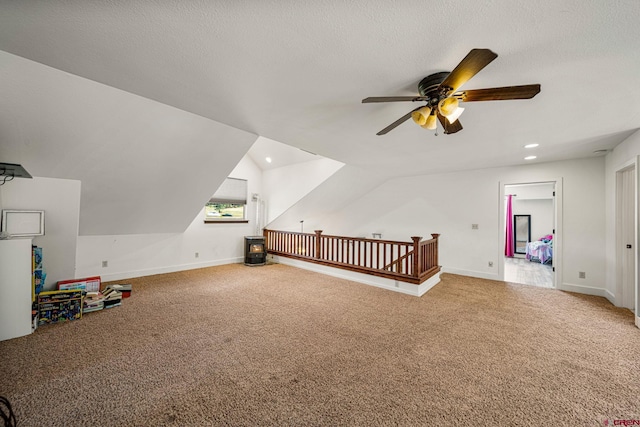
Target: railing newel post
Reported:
point(265, 234)
point(435, 236)
point(416, 255)
point(318, 237)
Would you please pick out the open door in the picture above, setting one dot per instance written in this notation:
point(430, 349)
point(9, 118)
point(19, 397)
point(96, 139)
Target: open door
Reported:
point(535, 217)
point(626, 251)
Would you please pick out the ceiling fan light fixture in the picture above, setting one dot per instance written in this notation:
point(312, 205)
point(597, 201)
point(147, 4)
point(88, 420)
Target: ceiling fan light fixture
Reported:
point(431, 122)
point(441, 92)
point(455, 115)
point(420, 116)
point(448, 106)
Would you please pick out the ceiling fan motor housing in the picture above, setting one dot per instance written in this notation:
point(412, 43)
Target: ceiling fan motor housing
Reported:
point(428, 86)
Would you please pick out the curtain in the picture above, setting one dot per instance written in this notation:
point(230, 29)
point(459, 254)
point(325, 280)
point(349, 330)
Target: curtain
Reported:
point(232, 191)
point(508, 239)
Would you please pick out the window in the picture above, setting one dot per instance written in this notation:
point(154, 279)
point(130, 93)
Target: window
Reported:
point(229, 202)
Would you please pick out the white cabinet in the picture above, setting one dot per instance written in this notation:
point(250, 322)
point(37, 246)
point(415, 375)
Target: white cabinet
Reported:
point(15, 288)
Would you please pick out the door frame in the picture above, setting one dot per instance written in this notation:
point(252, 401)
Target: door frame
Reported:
point(619, 287)
point(557, 218)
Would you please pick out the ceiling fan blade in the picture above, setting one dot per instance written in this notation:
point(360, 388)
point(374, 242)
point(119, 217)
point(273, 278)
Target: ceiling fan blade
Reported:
point(393, 99)
point(397, 122)
point(475, 61)
point(449, 128)
point(499, 93)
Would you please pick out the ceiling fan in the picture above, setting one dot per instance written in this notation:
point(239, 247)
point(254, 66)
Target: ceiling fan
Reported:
point(440, 93)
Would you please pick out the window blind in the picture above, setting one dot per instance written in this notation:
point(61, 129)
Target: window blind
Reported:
point(232, 190)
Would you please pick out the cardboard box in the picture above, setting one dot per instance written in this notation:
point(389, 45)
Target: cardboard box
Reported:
point(89, 284)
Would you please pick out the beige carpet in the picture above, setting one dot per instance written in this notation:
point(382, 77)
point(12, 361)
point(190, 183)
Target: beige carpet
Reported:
point(274, 345)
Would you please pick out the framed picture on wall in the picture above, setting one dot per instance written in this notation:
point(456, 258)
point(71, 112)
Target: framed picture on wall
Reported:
point(23, 223)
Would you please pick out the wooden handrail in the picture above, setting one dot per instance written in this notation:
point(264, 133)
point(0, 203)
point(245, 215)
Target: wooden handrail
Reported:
point(397, 261)
point(412, 262)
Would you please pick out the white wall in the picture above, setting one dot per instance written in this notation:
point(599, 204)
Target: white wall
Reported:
point(60, 199)
point(535, 199)
point(145, 254)
point(449, 203)
point(326, 202)
point(541, 212)
point(284, 186)
point(623, 155)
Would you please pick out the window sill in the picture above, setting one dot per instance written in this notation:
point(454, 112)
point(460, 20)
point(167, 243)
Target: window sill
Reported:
point(227, 221)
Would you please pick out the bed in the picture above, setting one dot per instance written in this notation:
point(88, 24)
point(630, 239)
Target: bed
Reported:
point(540, 251)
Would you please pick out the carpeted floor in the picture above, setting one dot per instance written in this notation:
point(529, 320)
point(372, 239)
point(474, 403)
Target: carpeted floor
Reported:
point(275, 345)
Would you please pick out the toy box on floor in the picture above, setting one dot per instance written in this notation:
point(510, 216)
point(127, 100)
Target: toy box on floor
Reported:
point(59, 306)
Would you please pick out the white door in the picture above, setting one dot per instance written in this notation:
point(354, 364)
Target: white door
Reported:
point(626, 183)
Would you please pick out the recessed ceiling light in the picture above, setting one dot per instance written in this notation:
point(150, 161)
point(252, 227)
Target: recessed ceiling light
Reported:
point(268, 159)
point(531, 145)
point(530, 157)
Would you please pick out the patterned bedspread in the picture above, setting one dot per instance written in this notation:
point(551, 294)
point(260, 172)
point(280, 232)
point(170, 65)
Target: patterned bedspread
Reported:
point(540, 250)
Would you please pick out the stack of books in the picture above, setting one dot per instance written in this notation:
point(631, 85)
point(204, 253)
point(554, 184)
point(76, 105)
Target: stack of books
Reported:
point(93, 301)
point(125, 289)
point(112, 296)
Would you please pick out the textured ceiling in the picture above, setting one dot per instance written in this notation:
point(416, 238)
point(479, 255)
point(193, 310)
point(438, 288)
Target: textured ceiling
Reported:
point(279, 154)
point(295, 72)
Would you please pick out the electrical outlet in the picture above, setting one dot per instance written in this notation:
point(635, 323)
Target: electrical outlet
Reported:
point(474, 226)
point(197, 255)
point(490, 263)
point(582, 275)
point(105, 264)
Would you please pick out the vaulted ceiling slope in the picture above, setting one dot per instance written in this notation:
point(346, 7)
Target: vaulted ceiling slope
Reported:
point(295, 72)
point(329, 199)
point(145, 167)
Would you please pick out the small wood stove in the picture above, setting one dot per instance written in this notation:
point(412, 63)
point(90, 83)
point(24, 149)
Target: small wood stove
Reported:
point(254, 251)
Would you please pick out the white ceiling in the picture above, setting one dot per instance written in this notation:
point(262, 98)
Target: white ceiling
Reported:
point(279, 154)
point(295, 72)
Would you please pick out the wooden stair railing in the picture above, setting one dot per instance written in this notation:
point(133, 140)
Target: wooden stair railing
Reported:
point(412, 262)
point(395, 263)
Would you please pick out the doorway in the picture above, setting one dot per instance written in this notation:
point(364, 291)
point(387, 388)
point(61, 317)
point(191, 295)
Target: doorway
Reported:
point(626, 236)
point(529, 233)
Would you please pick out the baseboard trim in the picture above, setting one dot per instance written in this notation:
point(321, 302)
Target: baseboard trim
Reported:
point(610, 296)
point(569, 287)
point(170, 269)
point(428, 284)
point(588, 290)
point(638, 321)
point(365, 279)
point(471, 273)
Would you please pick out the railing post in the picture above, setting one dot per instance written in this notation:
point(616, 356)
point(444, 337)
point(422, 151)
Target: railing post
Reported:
point(318, 237)
point(435, 237)
point(265, 234)
point(416, 256)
